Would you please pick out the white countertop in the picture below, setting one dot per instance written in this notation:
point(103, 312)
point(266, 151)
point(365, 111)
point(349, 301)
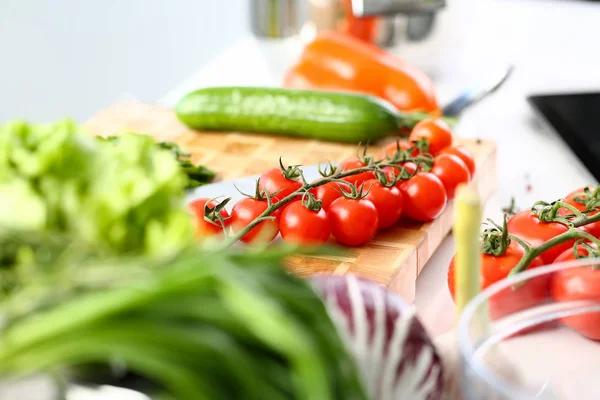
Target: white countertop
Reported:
point(551, 44)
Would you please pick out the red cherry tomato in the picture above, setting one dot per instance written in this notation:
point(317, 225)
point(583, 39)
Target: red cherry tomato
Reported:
point(277, 185)
point(392, 148)
point(355, 163)
point(206, 228)
point(387, 201)
point(464, 155)
point(353, 221)
point(435, 131)
point(569, 254)
point(302, 226)
point(594, 227)
point(327, 193)
point(528, 227)
point(391, 172)
point(452, 171)
point(495, 268)
point(575, 284)
point(424, 197)
point(247, 210)
point(280, 211)
point(410, 166)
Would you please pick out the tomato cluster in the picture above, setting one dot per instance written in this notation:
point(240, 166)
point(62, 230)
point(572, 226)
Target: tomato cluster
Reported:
point(351, 207)
point(571, 284)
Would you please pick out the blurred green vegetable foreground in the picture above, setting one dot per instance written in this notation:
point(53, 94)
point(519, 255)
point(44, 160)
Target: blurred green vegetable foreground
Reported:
point(102, 282)
point(100, 276)
point(119, 196)
point(205, 325)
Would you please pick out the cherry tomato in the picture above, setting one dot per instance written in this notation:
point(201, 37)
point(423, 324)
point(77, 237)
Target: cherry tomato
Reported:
point(353, 221)
point(303, 226)
point(247, 210)
point(464, 155)
point(435, 131)
point(387, 201)
point(569, 254)
point(410, 166)
point(424, 197)
point(285, 207)
point(528, 227)
point(495, 268)
point(277, 185)
point(452, 171)
point(327, 193)
point(574, 284)
point(392, 148)
point(391, 172)
point(594, 227)
point(355, 163)
point(206, 228)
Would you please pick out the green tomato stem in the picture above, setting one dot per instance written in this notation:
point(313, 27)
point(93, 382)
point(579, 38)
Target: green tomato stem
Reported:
point(548, 212)
point(585, 220)
point(532, 252)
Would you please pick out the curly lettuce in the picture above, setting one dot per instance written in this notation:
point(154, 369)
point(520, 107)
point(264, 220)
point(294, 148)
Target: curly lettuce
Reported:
point(122, 197)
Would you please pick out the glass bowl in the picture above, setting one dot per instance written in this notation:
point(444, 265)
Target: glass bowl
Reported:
point(526, 348)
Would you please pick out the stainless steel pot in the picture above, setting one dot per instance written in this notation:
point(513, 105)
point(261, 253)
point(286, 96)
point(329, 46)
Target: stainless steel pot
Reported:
point(276, 18)
point(365, 8)
point(412, 19)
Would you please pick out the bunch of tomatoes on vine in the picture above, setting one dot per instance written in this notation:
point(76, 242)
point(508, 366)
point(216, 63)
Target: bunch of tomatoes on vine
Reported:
point(548, 233)
point(415, 180)
point(351, 201)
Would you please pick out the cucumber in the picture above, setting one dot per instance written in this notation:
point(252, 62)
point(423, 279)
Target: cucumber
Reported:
point(329, 116)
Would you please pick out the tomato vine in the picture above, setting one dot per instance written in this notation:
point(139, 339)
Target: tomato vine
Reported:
point(495, 240)
point(423, 162)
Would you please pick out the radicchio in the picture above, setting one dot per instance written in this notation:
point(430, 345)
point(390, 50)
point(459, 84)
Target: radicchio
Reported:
point(396, 358)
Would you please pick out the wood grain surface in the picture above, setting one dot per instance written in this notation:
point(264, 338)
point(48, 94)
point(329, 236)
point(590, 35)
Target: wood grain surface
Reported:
point(394, 258)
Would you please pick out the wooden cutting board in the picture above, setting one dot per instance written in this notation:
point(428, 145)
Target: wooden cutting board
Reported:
point(394, 258)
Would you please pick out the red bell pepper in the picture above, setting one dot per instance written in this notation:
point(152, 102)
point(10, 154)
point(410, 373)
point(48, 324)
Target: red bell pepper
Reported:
point(335, 61)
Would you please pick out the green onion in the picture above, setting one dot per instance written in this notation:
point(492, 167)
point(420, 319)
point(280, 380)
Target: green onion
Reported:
point(204, 325)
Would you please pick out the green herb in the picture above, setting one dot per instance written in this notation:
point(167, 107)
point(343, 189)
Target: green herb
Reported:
point(198, 175)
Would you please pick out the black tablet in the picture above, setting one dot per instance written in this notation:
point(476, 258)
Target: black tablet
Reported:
point(575, 117)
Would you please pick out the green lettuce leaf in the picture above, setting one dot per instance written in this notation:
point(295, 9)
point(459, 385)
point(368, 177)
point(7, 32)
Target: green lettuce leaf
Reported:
point(117, 197)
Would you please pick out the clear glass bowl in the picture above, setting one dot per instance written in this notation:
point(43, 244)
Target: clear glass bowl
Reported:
point(527, 351)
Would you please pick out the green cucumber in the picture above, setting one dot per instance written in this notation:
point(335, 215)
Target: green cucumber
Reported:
point(330, 116)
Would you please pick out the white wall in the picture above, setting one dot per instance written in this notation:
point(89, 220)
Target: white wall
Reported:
point(72, 57)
